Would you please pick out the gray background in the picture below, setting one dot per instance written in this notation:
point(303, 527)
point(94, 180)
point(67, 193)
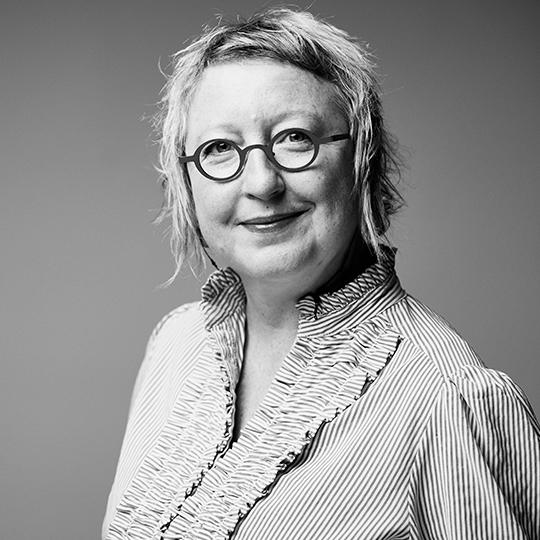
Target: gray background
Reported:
point(81, 261)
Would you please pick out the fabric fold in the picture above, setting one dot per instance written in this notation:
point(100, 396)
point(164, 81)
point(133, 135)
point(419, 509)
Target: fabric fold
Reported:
point(330, 381)
point(192, 484)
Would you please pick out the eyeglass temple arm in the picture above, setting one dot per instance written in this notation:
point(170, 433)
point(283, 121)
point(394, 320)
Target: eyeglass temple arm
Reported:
point(340, 137)
point(185, 159)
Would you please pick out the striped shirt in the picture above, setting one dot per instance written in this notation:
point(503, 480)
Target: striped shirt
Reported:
point(381, 423)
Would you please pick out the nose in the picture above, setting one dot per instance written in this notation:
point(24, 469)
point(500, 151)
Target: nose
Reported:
point(261, 179)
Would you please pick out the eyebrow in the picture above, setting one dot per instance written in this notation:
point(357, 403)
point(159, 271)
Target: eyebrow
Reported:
point(313, 115)
point(233, 128)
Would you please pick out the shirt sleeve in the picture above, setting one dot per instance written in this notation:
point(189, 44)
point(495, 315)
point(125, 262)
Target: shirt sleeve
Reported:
point(477, 469)
point(138, 436)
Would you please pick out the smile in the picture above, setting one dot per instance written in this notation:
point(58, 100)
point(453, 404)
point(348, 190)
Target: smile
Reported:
point(271, 223)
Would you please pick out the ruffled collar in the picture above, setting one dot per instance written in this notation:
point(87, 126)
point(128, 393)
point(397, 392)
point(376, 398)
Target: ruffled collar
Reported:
point(194, 484)
point(223, 294)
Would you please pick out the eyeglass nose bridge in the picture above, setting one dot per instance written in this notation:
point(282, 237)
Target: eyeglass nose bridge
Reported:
point(266, 148)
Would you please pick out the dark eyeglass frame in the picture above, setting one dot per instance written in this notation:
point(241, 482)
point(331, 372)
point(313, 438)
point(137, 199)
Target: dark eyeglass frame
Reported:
point(266, 148)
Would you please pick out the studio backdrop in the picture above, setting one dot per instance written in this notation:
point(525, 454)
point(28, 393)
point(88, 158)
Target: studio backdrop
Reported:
point(81, 261)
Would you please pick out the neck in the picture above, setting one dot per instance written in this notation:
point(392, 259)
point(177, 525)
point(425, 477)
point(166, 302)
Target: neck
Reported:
point(272, 307)
point(270, 311)
point(357, 258)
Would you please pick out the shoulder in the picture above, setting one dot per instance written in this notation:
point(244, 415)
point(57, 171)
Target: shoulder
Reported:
point(435, 347)
point(486, 399)
point(476, 465)
point(183, 318)
point(177, 330)
point(172, 348)
point(431, 338)
point(478, 387)
point(434, 360)
point(482, 421)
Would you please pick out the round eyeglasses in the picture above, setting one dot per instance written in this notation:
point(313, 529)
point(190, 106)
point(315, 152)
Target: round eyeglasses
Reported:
point(292, 150)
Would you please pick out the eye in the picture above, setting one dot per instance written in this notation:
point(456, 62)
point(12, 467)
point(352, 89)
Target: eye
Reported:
point(216, 148)
point(294, 141)
point(296, 136)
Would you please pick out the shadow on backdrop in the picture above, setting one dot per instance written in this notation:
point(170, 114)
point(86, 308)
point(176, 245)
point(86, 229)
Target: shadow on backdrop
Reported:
point(81, 261)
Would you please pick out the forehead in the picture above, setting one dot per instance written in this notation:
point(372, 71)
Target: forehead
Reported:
point(252, 93)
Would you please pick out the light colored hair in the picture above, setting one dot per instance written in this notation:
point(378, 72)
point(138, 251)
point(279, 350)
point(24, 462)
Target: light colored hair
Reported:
point(300, 39)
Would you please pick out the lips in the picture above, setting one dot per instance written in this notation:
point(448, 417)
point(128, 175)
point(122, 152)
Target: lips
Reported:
point(278, 223)
point(272, 218)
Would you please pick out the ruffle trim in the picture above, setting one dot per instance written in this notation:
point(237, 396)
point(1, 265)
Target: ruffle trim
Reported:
point(353, 292)
point(319, 379)
point(190, 485)
point(197, 431)
point(223, 294)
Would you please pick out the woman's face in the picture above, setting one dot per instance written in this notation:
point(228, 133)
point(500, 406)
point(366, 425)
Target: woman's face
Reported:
point(269, 224)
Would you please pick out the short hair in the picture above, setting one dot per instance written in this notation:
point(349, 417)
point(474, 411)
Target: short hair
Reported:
point(300, 39)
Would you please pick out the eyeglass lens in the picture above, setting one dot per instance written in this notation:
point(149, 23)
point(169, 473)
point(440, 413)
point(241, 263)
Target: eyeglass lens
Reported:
point(222, 159)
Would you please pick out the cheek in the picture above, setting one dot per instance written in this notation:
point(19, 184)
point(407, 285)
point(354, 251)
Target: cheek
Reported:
point(336, 193)
point(339, 208)
point(211, 206)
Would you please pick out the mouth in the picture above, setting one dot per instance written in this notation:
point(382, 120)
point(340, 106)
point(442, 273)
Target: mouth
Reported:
point(272, 218)
point(271, 222)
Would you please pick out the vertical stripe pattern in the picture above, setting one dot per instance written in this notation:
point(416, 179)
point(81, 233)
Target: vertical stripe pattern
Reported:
point(381, 423)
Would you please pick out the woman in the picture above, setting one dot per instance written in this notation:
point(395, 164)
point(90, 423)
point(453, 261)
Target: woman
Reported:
point(307, 395)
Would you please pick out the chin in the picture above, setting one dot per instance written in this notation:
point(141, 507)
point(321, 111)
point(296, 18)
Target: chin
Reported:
point(304, 268)
point(272, 264)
